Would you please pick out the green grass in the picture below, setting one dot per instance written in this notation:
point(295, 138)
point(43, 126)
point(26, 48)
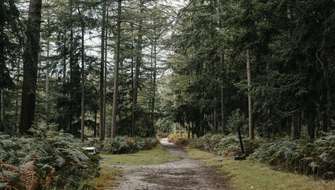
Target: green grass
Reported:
point(108, 178)
point(110, 174)
point(248, 175)
point(157, 155)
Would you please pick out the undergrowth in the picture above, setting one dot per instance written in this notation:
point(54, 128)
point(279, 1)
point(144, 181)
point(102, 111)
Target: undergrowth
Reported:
point(316, 159)
point(53, 160)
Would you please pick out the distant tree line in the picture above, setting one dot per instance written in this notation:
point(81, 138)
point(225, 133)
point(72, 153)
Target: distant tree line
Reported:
point(84, 67)
point(270, 61)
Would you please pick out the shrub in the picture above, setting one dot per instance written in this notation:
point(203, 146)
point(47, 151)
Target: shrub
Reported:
point(228, 146)
point(278, 153)
point(125, 145)
point(316, 158)
point(55, 161)
point(178, 138)
point(122, 145)
point(161, 134)
point(224, 145)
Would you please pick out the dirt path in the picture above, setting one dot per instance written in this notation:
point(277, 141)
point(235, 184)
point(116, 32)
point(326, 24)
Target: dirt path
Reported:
point(185, 174)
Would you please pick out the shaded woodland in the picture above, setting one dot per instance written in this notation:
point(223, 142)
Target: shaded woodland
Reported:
point(246, 79)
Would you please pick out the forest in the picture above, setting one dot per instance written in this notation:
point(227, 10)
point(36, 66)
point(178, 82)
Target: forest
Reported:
point(167, 94)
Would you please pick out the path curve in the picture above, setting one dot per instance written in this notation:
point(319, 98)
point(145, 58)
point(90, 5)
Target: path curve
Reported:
point(184, 174)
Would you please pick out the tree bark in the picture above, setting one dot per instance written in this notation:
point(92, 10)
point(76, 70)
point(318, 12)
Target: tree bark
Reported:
point(30, 61)
point(240, 139)
point(102, 74)
point(154, 86)
point(2, 109)
point(296, 125)
point(95, 131)
point(47, 73)
point(137, 64)
point(72, 65)
point(109, 129)
point(116, 70)
point(17, 99)
point(132, 84)
point(82, 103)
point(222, 61)
point(250, 118)
point(2, 62)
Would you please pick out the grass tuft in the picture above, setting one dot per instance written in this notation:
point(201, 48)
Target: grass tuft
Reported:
point(108, 178)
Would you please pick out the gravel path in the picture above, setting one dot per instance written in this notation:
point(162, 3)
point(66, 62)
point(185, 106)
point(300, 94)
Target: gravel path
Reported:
point(185, 174)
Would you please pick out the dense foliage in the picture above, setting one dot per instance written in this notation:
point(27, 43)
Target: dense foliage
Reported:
point(269, 59)
point(123, 145)
point(113, 70)
point(308, 158)
point(178, 138)
point(224, 145)
point(78, 47)
point(51, 161)
point(316, 159)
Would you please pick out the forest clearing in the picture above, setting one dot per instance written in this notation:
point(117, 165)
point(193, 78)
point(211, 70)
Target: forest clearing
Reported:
point(167, 94)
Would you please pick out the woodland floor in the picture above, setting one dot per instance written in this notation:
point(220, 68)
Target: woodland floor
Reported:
point(182, 174)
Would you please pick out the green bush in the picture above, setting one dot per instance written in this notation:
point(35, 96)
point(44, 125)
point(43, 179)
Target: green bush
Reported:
point(224, 145)
point(125, 145)
point(147, 143)
point(178, 138)
point(282, 152)
point(58, 157)
point(228, 146)
point(316, 158)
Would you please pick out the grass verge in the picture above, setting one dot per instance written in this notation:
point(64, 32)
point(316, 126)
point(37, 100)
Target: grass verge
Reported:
point(110, 173)
point(157, 155)
point(107, 179)
point(248, 175)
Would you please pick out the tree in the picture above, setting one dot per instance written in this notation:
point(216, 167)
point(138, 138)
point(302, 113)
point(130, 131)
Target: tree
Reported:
point(82, 103)
point(30, 61)
point(102, 73)
point(116, 69)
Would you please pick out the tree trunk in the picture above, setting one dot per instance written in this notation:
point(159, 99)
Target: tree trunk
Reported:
point(2, 110)
point(72, 64)
point(64, 54)
point(296, 125)
point(132, 85)
point(2, 62)
point(17, 99)
point(47, 84)
point(138, 63)
point(47, 73)
point(102, 75)
point(109, 129)
point(240, 139)
point(82, 103)
point(95, 131)
point(222, 60)
point(250, 118)
point(30, 61)
point(154, 86)
point(116, 70)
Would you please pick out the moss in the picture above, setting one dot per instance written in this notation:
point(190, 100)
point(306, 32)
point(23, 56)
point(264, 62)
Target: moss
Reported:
point(246, 175)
